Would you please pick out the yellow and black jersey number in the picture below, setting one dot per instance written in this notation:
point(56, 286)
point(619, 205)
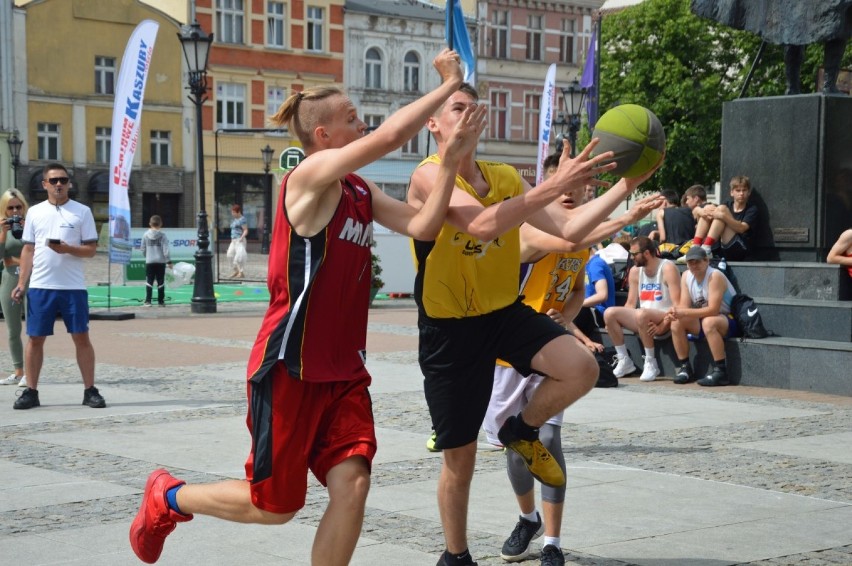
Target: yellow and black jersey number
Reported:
point(562, 288)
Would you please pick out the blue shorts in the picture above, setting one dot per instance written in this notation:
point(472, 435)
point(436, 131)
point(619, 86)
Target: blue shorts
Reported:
point(44, 304)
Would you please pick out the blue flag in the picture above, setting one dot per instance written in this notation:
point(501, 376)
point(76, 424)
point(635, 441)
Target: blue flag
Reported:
point(458, 39)
point(587, 81)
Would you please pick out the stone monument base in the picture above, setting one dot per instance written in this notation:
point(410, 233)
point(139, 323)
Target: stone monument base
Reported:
point(797, 151)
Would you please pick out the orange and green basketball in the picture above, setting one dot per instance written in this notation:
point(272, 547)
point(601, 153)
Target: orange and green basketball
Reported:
point(636, 137)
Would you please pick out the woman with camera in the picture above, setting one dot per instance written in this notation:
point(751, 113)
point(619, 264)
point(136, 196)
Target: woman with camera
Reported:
point(14, 205)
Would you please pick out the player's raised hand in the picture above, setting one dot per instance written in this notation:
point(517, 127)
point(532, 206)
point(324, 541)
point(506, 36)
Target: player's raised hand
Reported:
point(467, 131)
point(582, 170)
point(448, 65)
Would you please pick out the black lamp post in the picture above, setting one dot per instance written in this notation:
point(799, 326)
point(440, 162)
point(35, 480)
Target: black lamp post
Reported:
point(267, 197)
point(574, 96)
point(196, 49)
point(15, 144)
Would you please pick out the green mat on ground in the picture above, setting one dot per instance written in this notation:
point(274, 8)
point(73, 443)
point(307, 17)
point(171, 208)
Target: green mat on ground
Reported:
point(134, 295)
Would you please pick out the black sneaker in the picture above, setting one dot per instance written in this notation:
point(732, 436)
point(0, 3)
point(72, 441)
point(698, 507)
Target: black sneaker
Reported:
point(27, 400)
point(684, 374)
point(517, 546)
point(717, 377)
point(467, 562)
point(552, 556)
point(92, 398)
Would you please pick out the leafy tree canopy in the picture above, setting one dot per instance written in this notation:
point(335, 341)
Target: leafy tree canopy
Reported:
point(682, 67)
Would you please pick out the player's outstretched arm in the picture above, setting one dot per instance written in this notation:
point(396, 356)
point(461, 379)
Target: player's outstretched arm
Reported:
point(486, 223)
point(559, 222)
point(425, 222)
point(324, 167)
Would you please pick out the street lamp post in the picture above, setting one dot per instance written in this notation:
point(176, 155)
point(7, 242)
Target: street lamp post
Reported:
point(267, 197)
point(574, 96)
point(15, 144)
point(196, 49)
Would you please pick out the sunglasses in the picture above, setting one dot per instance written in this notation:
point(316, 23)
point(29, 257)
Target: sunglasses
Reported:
point(634, 254)
point(58, 180)
point(15, 207)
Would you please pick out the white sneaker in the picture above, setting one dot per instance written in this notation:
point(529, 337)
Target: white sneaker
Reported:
point(624, 366)
point(650, 371)
point(11, 380)
point(23, 382)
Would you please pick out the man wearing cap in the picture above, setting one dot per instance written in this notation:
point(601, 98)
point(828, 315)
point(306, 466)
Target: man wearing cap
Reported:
point(704, 310)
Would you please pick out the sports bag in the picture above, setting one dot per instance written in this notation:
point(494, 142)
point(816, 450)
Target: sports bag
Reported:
point(606, 361)
point(748, 317)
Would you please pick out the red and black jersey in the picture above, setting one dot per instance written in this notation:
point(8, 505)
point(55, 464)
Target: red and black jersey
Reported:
point(319, 288)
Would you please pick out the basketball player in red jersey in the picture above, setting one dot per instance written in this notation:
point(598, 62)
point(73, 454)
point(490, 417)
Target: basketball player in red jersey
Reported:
point(309, 407)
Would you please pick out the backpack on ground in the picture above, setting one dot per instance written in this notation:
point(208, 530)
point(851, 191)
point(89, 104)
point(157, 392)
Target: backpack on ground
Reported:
point(605, 364)
point(748, 317)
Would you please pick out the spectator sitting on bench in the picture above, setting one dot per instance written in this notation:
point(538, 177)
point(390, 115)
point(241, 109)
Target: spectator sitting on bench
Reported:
point(704, 310)
point(600, 295)
point(730, 224)
point(841, 251)
point(654, 289)
point(676, 224)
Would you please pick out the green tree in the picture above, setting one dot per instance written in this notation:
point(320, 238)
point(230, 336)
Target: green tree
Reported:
point(682, 67)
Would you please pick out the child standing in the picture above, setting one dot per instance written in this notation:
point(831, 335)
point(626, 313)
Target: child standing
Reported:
point(155, 249)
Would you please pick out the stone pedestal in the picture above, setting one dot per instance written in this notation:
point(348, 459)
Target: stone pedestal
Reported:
point(797, 151)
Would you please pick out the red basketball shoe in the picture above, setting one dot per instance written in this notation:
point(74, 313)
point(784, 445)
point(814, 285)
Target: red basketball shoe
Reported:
point(155, 521)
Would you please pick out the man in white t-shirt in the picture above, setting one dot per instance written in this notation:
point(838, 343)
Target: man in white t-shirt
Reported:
point(58, 234)
point(654, 288)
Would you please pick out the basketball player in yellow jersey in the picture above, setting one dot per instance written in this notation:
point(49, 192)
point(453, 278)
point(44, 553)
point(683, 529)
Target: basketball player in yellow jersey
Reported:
point(470, 315)
point(553, 283)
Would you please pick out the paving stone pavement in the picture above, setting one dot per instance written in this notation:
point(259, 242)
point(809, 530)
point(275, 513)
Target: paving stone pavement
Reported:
point(658, 474)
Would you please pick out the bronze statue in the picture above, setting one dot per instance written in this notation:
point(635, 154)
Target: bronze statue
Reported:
point(793, 24)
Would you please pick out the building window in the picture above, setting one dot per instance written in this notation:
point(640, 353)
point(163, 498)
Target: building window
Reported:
point(316, 20)
point(411, 72)
point(412, 146)
point(499, 34)
point(534, 34)
point(103, 143)
point(48, 141)
point(373, 69)
point(373, 121)
point(274, 99)
point(230, 105)
point(567, 41)
point(532, 112)
point(230, 16)
point(275, 24)
point(104, 75)
point(498, 115)
point(161, 147)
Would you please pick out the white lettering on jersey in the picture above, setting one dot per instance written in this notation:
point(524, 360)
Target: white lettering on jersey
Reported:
point(357, 233)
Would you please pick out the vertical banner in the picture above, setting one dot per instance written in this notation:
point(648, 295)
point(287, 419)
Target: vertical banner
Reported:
point(545, 121)
point(587, 81)
point(126, 116)
point(458, 39)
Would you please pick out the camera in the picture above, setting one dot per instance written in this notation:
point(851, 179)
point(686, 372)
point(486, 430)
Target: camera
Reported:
point(16, 228)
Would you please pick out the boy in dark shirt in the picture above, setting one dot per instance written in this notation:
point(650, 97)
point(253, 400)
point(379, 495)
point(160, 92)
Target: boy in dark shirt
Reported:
point(730, 224)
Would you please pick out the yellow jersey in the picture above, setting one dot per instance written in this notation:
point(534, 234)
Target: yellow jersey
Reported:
point(547, 283)
point(461, 276)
